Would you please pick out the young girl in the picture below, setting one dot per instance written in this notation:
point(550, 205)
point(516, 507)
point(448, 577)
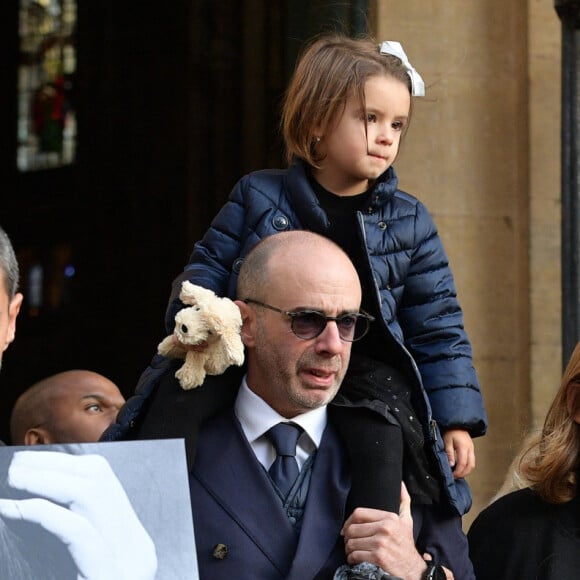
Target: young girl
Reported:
point(346, 109)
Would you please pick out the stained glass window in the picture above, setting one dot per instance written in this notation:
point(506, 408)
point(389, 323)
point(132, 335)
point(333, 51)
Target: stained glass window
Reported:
point(47, 130)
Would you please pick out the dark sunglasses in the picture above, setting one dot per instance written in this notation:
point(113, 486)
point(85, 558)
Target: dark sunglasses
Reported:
point(308, 324)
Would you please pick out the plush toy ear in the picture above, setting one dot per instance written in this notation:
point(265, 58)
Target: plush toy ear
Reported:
point(233, 347)
point(193, 294)
point(187, 294)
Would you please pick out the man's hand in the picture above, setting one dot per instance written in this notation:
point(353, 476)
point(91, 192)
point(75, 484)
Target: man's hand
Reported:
point(385, 539)
point(81, 501)
point(460, 451)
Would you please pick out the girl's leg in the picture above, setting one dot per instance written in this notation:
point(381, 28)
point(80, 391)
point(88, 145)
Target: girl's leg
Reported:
point(375, 449)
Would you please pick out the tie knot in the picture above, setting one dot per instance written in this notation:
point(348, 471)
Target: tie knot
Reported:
point(284, 437)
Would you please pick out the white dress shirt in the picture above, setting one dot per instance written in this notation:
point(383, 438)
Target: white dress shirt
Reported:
point(257, 417)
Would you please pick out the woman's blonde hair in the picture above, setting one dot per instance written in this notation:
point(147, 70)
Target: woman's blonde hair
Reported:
point(331, 69)
point(549, 460)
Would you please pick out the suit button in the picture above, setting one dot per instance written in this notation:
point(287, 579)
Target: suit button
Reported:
point(220, 551)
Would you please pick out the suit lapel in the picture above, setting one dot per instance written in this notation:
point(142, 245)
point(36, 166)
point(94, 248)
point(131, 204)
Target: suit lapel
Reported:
point(227, 468)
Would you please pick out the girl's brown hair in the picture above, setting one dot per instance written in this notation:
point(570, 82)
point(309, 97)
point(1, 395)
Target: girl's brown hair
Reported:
point(331, 69)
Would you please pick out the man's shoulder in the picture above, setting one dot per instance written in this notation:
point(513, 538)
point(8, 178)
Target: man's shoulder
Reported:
point(161, 409)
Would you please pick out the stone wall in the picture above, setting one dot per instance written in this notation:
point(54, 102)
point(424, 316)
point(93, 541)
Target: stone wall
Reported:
point(483, 153)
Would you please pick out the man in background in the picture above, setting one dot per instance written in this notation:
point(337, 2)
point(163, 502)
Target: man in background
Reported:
point(10, 298)
point(70, 407)
point(80, 506)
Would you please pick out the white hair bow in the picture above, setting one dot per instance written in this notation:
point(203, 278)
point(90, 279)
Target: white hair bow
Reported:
point(395, 48)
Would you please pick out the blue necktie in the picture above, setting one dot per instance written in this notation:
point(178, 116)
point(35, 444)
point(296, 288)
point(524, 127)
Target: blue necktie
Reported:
point(284, 470)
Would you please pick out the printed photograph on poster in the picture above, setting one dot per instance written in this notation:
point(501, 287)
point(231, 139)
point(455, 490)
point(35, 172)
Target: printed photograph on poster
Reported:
point(96, 511)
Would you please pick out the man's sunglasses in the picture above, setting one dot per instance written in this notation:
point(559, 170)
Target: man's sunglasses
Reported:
point(308, 324)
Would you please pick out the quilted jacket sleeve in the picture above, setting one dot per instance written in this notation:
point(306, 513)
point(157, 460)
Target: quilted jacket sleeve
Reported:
point(210, 264)
point(435, 335)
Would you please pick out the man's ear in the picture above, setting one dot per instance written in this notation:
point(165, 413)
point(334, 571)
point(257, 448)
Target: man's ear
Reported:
point(13, 311)
point(37, 436)
point(248, 330)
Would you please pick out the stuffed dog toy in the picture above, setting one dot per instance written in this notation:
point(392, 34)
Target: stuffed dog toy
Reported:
point(213, 325)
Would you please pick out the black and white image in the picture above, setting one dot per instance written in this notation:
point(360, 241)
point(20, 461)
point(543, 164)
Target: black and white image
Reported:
point(97, 511)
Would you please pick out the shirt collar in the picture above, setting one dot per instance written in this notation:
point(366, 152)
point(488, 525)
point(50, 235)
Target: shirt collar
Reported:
point(256, 416)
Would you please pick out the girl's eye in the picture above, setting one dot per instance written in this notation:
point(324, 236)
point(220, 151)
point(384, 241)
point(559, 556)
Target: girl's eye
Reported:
point(398, 125)
point(371, 118)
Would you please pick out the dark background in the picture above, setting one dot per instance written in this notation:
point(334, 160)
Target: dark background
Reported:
point(175, 102)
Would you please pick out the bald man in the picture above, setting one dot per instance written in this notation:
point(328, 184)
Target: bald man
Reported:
point(299, 296)
point(69, 407)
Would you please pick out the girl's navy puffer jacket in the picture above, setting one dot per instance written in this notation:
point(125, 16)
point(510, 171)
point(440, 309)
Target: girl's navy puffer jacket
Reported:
point(414, 287)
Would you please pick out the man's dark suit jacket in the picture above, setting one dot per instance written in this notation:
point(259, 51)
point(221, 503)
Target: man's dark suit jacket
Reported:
point(161, 409)
point(236, 508)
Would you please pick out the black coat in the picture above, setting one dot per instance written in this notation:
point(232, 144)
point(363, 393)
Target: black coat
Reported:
point(160, 408)
point(522, 537)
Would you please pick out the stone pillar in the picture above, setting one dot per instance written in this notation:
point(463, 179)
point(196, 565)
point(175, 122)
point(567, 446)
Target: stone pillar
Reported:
point(569, 12)
point(482, 153)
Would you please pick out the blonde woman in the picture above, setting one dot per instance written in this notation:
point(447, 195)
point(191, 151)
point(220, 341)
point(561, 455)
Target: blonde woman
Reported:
point(534, 532)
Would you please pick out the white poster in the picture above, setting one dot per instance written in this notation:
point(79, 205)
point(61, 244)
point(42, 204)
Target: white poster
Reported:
point(96, 511)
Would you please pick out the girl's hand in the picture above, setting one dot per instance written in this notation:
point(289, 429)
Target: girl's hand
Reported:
point(460, 451)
